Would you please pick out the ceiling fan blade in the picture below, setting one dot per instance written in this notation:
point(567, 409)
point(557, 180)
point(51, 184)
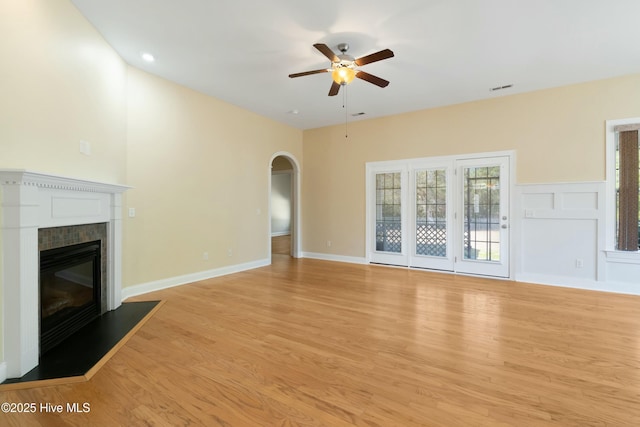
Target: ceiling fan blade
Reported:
point(372, 79)
point(335, 88)
point(378, 56)
point(308, 73)
point(326, 51)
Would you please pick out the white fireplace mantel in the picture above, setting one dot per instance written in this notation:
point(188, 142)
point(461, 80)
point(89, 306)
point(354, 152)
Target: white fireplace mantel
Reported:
point(30, 201)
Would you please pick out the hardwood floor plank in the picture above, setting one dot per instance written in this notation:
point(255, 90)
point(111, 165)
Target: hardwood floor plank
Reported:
point(313, 343)
point(281, 244)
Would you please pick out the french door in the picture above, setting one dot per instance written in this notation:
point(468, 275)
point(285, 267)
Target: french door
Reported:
point(443, 213)
point(482, 217)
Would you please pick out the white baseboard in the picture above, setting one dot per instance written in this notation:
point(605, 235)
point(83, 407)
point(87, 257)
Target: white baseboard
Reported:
point(337, 258)
point(280, 233)
point(567, 282)
point(144, 288)
point(538, 279)
point(590, 285)
point(3, 372)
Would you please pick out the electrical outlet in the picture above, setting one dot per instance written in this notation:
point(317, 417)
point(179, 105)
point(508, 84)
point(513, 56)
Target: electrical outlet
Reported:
point(205, 256)
point(328, 243)
point(230, 252)
point(579, 263)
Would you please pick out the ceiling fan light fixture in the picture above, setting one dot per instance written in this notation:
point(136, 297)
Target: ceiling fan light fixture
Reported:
point(344, 68)
point(343, 75)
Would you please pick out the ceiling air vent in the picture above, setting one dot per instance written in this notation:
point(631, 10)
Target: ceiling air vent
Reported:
point(493, 89)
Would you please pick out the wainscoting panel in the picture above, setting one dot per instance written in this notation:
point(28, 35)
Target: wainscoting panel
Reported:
point(560, 247)
point(559, 230)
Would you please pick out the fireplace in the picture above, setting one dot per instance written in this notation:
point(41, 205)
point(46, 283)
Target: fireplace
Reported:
point(33, 203)
point(70, 291)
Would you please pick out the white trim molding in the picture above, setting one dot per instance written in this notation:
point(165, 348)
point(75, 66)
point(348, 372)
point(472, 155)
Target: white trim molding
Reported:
point(622, 267)
point(30, 201)
point(561, 228)
point(623, 257)
point(296, 203)
point(336, 258)
point(58, 182)
point(281, 233)
point(613, 126)
point(145, 288)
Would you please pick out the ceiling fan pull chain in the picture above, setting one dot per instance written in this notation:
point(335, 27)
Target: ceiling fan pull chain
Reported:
point(346, 112)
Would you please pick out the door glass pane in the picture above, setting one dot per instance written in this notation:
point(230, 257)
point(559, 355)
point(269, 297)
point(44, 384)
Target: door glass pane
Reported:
point(482, 213)
point(388, 212)
point(431, 213)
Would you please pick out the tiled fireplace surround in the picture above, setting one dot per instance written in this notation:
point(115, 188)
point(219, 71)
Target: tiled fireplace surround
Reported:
point(30, 202)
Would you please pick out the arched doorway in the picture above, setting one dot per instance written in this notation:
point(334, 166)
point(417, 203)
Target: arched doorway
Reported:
point(284, 205)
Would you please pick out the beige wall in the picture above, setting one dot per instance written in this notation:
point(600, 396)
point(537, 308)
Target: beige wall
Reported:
point(200, 170)
point(557, 134)
point(60, 83)
point(200, 167)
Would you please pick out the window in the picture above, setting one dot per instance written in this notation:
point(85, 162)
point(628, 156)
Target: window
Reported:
point(627, 185)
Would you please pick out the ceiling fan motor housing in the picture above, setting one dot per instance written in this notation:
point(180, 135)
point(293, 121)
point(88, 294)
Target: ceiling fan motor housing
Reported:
point(344, 59)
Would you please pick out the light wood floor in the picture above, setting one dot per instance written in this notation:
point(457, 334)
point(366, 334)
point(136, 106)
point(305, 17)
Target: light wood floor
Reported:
point(314, 343)
point(281, 245)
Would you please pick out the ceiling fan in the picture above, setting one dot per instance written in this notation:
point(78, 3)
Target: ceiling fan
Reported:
point(345, 67)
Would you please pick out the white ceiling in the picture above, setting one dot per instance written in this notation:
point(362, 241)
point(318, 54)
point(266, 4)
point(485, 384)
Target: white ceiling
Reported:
point(446, 51)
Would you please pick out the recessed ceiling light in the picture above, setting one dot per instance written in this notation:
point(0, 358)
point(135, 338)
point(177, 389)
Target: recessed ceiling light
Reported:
point(294, 111)
point(146, 56)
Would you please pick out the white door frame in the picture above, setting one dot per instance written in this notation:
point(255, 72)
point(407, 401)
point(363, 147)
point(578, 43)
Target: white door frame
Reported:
point(296, 199)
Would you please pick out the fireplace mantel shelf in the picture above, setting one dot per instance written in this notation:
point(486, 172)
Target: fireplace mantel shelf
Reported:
point(58, 182)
